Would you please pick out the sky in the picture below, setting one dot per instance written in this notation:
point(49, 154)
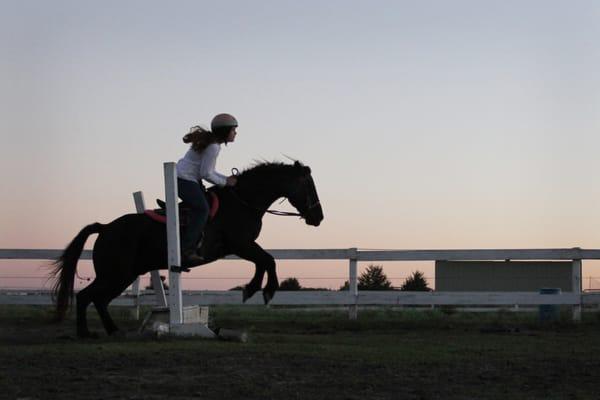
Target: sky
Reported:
point(427, 124)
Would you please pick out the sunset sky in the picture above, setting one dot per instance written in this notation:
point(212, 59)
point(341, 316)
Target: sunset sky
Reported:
point(427, 124)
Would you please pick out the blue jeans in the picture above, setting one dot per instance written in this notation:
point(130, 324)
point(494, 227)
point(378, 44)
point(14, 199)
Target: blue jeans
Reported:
point(193, 195)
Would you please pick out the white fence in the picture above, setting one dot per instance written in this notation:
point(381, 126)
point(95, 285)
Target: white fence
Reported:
point(353, 297)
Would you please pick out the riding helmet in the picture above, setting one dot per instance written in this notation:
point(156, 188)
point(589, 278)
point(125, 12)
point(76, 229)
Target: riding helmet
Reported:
point(223, 121)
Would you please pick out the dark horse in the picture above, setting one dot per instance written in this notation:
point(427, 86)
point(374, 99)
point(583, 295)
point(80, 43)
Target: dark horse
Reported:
point(135, 244)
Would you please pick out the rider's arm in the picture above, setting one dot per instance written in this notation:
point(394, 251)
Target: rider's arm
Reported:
point(207, 167)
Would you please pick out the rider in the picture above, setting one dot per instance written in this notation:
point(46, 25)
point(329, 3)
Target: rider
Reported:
point(197, 164)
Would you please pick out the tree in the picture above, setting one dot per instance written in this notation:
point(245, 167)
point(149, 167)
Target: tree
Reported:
point(290, 284)
point(373, 278)
point(416, 283)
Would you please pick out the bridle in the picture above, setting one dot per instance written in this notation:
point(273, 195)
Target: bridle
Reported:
point(315, 204)
point(235, 172)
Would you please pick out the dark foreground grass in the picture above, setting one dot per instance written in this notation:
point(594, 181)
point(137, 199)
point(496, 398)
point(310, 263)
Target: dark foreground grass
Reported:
point(293, 354)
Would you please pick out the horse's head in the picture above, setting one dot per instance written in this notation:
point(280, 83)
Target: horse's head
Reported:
point(302, 194)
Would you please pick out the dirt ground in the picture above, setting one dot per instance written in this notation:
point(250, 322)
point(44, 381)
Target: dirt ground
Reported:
point(298, 354)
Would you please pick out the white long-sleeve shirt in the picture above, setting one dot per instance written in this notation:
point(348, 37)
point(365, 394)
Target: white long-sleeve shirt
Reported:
point(195, 166)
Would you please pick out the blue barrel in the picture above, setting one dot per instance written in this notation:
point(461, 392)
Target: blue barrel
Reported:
point(549, 312)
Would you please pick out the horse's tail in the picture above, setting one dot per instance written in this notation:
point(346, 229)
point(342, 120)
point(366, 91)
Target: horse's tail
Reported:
point(64, 270)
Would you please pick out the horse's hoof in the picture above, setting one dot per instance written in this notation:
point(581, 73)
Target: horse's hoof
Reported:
point(246, 293)
point(267, 297)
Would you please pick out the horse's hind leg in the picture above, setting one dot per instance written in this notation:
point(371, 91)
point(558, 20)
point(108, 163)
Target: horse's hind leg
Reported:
point(84, 298)
point(103, 300)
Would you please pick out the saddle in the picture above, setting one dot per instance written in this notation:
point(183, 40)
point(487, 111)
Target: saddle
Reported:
point(159, 214)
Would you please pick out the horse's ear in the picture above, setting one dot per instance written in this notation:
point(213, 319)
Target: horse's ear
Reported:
point(303, 169)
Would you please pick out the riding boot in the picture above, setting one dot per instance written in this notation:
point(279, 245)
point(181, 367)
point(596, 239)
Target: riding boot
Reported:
point(189, 257)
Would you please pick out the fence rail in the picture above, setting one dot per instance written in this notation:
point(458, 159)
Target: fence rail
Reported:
point(337, 298)
point(353, 297)
point(575, 253)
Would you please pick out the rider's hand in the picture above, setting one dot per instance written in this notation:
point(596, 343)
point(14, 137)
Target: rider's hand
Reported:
point(231, 180)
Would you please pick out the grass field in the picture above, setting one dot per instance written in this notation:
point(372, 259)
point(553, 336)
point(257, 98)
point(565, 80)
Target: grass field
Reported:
point(296, 354)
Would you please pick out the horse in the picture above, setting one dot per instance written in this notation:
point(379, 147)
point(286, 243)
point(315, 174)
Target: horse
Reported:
point(135, 244)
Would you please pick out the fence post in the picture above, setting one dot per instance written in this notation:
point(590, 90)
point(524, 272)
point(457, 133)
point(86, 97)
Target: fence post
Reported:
point(159, 289)
point(353, 283)
point(174, 251)
point(576, 287)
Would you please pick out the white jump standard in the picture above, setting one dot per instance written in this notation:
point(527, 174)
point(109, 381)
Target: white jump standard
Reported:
point(177, 324)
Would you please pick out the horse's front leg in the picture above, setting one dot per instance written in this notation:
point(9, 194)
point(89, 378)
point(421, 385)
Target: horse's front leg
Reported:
point(263, 262)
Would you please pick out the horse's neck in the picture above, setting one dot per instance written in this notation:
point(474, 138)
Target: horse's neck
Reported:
point(261, 200)
point(261, 195)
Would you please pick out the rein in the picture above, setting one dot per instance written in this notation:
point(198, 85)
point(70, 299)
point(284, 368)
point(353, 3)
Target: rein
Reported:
point(274, 212)
point(288, 214)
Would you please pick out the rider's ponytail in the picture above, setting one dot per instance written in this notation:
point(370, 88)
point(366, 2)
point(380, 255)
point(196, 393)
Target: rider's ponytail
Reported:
point(200, 138)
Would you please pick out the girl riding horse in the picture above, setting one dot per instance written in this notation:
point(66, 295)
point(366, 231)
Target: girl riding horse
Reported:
point(197, 164)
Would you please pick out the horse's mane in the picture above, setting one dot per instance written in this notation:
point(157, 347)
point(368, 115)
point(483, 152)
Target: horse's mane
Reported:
point(264, 168)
